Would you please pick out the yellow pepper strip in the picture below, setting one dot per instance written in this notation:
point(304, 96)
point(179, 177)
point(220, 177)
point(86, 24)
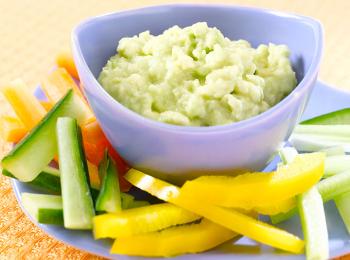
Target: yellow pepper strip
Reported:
point(94, 178)
point(11, 128)
point(231, 219)
point(48, 105)
point(279, 207)
point(260, 190)
point(190, 238)
point(65, 60)
point(141, 220)
point(56, 85)
point(24, 103)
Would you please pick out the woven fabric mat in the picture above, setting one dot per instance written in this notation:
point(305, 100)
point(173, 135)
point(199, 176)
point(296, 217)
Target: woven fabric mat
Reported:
point(32, 32)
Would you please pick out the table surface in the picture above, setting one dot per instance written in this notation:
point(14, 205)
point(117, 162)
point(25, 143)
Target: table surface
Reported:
point(32, 32)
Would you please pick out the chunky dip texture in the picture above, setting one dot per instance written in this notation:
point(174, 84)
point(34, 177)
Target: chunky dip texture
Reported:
point(195, 76)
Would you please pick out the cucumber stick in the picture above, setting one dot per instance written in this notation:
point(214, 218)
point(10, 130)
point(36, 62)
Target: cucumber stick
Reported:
point(48, 179)
point(313, 222)
point(50, 216)
point(78, 209)
point(30, 156)
point(46, 209)
point(109, 198)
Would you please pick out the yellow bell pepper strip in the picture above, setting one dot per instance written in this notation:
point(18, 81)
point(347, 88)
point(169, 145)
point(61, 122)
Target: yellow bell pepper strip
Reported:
point(231, 219)
point(253, 190)
point(190, 238)
point(48, 105)
point(56, 85)
point(141, 220)
point(24, 103)
point(279, 207)
point(11, 129)
point(65, 60)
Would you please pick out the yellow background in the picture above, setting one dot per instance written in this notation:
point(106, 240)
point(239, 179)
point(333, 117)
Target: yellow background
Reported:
point(33, 31)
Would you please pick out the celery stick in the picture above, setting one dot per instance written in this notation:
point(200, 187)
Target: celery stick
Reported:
point(314, 225)
point(343, 205)
point(313, 143)
point(288, 154)
point(333, 186)
point(339, 131)
point(335, 150)
point(336, 164)
point(281, 217)
point(329, 189)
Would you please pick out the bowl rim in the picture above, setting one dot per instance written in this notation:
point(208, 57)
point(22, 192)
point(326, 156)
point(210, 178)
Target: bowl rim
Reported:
point(300, 88)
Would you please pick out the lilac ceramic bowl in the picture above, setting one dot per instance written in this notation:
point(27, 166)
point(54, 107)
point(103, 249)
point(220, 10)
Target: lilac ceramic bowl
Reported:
point(176, 152)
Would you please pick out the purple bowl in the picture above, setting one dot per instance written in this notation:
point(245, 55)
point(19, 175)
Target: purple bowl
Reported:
point(177, 153)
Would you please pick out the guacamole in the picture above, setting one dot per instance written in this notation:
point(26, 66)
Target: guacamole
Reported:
point(195, 76)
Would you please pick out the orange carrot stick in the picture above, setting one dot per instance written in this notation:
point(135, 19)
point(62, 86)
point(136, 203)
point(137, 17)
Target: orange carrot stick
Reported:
point(65, 60)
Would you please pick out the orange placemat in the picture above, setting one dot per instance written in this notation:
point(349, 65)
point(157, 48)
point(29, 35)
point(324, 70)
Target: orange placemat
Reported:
point(32, 32)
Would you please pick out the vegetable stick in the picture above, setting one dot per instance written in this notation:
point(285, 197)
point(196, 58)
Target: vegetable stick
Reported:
point(328, 130)
point(12, 129)
point(57, 83)
point(24, 103)
point(231, 219)
point(336, 164)
point(313, 222)
point(190, 238)
point(141, 220)
point(343, 205)
point(65, 60)
point(48, 105)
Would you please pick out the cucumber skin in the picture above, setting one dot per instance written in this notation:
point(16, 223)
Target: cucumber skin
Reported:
point(47, 122)
point(78, 209)
point(340, 117)
point(44, 180)
point(48, 182)
point(50, 216)
point(37, 149)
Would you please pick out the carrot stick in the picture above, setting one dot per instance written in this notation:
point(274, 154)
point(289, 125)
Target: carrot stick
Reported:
point(65, 60)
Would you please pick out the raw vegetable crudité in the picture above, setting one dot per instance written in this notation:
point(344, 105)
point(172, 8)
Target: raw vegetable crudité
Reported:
point(61, 149)
point(78, 207)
